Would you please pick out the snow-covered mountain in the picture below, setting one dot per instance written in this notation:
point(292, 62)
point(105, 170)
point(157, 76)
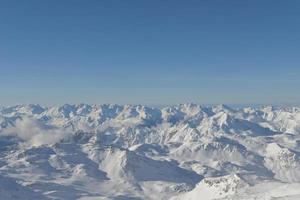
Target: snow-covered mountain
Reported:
point(137, 152)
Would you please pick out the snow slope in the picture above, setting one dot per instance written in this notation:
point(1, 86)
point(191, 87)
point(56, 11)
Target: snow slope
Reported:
point(137, 152)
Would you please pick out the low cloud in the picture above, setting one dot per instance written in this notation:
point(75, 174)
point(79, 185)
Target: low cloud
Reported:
point(34, 133)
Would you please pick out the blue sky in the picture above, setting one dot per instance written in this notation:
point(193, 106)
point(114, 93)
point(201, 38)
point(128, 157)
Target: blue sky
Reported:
point(149, 52)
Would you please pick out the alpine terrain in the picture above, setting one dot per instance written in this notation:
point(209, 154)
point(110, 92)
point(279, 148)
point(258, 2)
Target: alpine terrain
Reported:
point(182, 152)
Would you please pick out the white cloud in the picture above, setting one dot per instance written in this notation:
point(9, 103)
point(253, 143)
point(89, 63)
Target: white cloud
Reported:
point(34, 133)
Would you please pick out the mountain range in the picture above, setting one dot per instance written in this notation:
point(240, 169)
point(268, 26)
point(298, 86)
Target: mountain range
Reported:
point(119, 152)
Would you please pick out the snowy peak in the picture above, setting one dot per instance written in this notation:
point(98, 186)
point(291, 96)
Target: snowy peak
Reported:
point(216, 188)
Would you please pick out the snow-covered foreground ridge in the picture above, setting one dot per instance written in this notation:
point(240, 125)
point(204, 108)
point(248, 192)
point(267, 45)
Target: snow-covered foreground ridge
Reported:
point(137, 152)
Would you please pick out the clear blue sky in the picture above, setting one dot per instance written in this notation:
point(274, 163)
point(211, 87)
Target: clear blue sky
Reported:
point(150, 52)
